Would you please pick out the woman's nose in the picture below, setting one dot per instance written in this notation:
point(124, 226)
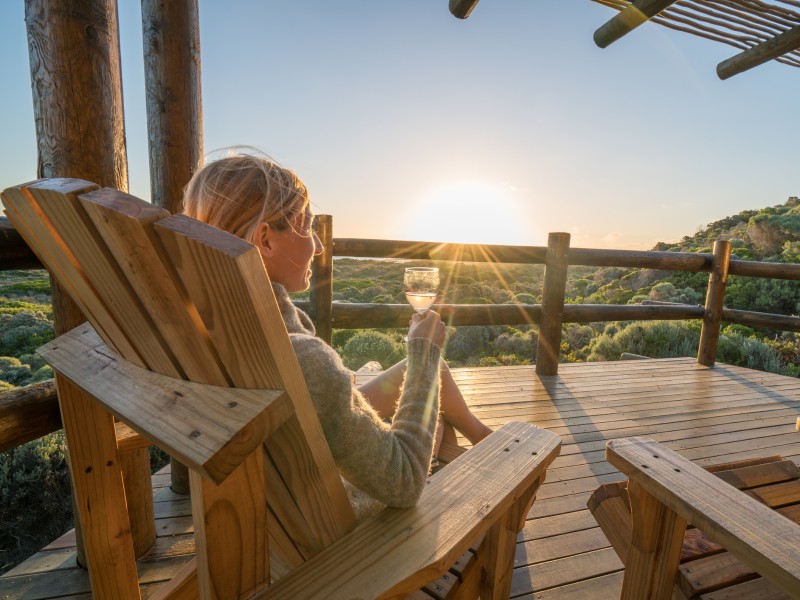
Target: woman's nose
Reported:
point(318, 249)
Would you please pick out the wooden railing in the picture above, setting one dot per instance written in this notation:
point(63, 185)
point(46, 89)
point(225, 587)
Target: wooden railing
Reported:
point(29, 413)
point(552, 313)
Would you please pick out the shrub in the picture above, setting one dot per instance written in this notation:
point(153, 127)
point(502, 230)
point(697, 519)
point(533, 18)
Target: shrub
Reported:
point(23, 332)
point(36, 506)
point(656, 339)
point(368, 345)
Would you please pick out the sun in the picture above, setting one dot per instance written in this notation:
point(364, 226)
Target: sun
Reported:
point(470, 212)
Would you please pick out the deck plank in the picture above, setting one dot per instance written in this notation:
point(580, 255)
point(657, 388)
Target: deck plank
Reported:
point(708, 415)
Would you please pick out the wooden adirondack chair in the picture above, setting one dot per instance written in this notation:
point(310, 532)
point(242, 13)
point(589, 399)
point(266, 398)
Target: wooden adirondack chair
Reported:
point(185, 344)
point(736, 536)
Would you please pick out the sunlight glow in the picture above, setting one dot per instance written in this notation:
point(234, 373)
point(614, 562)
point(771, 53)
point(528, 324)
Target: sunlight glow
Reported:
point(471, 212)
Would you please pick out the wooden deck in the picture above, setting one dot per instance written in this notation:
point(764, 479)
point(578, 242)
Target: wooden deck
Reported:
point(708, 415)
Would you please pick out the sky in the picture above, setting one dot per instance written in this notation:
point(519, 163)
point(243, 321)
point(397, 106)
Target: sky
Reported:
point(407, 123)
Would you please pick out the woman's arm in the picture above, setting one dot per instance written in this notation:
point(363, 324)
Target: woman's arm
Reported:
point(388, 462)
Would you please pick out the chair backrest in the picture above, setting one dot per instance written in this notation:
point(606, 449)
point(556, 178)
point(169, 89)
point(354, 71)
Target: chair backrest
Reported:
point(185, 300)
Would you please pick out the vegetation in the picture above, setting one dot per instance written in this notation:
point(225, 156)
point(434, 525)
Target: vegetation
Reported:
point(33, 478)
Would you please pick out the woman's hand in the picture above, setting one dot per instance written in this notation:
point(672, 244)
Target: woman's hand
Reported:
point(427, 326)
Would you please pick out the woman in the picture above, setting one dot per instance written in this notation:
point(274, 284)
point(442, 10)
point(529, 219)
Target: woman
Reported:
point(267, 205)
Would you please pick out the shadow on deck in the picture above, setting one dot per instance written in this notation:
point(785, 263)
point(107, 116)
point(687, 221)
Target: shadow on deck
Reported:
point(708, 415)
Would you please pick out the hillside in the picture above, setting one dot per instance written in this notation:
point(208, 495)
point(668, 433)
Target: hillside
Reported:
point(768, 234)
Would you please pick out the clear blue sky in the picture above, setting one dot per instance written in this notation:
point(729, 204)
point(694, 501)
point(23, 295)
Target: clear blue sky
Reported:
point(408, 123)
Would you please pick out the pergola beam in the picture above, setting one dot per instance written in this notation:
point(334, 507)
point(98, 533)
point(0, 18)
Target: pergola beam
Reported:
point(765, 51)
point(628, 19)
point(462, 8)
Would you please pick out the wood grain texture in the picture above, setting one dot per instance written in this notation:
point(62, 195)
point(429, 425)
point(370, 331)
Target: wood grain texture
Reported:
point(171, 40)
point(28, 413)
point(38, 232)
point(234, 517)
point(499, 547)
point(100, 495)
point(555, 279)
point(211, 428)
point(655, 549)
point(320, 297)
point(73, 47)
point(135, 466)
point(715, 296)
point(786, 41)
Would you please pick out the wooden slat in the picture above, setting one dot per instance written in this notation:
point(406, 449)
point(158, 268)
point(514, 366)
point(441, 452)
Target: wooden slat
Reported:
point(231, 533)
point(107, 282)
point(499, 547)
point(745, 527)
point(757, 589)
point(126, 226)
point(97, 483)
point(210, 428)
point(37, 231)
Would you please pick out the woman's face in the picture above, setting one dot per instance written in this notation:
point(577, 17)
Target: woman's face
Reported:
point(288, 254)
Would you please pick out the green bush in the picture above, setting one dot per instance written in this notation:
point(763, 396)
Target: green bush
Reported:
point(36, 506)
point(656, 339)
point(369, 345)
point(23, 332)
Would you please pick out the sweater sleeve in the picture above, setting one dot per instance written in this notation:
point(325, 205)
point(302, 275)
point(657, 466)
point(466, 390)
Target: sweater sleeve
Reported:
point(388, 462)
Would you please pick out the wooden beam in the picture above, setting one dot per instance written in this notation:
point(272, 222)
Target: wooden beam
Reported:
point(462, 8)
point(752, 57)
point(715, 296)
point(14, 252)
point(321, 293)
point(171, 36)
point(28, 413)
point(629, 19)
point(555, 280)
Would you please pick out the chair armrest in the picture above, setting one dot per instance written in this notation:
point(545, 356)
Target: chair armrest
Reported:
point(764, 539)
point(400, 550)
point(210, 429)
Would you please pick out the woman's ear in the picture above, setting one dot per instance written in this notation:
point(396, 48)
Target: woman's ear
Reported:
point(262, 238)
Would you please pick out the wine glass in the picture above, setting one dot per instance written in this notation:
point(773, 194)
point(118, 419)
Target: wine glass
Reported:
point(421, 284)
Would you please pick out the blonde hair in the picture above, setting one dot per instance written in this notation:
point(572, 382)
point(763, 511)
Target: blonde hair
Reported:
point(237, 193)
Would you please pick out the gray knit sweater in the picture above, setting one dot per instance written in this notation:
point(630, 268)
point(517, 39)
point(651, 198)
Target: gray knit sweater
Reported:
point(387, 462)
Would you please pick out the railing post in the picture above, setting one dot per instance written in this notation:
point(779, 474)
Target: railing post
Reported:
point(555, 282)
point(321, 293)
point(715, 296)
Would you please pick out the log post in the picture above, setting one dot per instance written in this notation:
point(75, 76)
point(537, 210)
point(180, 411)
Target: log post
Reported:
point(171, 36)
point(171, 42)
point(321, 294)
point(770, 49)
point(628, 19)
point(715, 296)
point(555, 282)
point(77, 100)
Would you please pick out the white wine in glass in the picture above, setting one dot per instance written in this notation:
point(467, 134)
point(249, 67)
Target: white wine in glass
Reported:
point(421, 284)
